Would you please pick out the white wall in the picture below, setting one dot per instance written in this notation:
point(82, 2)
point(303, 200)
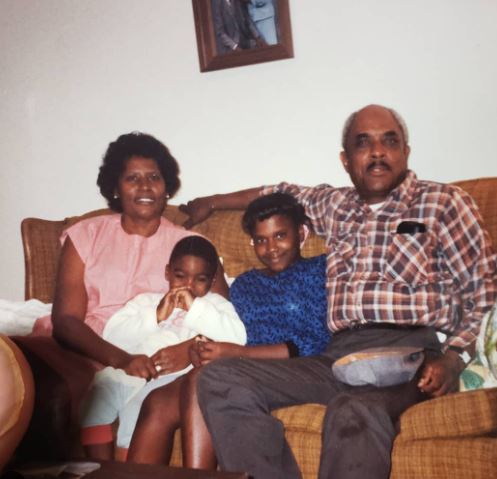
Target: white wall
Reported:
point(74, 74)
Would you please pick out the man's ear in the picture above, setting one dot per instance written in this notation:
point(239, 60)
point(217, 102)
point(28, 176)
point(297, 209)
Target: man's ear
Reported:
point(345, 161)
point(168, 273)
point(407, 151)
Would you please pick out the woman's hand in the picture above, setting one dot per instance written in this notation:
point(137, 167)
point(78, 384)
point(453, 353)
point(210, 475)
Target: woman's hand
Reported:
point(210, 350)
point(140, 365)
point(173, 358)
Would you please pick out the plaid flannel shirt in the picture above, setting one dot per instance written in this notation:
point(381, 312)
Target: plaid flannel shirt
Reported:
point(444, 277)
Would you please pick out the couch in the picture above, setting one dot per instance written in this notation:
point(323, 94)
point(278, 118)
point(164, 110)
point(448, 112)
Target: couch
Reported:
point(454, 436)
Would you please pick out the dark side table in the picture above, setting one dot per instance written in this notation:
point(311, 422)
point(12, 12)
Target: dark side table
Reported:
point(113, 470)
point(126, 470)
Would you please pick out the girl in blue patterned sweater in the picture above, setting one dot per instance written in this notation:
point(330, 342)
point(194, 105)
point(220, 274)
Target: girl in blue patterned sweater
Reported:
point(283, 307)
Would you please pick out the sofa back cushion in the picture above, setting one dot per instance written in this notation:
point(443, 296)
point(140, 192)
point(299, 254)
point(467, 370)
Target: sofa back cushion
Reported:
point(484, 192)
point(42, 249)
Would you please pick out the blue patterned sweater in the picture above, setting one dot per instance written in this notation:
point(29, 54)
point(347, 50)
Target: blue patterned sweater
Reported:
point(290, 305)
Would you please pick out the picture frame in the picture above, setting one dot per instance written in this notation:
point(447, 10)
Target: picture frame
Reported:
point(217, 38)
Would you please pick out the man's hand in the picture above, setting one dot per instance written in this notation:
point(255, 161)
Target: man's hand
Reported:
point(141, 366)
point(173, 358)
point(441, 375)
point(208, 351)
point(198, 210)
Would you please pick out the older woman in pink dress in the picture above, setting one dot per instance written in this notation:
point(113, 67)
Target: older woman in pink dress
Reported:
point(109, 259)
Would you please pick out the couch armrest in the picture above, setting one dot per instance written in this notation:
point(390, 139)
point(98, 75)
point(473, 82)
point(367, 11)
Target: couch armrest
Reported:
point(61, 378)
point(465, 414)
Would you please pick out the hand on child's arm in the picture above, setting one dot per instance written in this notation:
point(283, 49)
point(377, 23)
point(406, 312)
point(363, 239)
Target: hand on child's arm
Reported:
point(211, 350)
point(141, 366)
point(194, 351)
point(195, 356)
point(173, 358)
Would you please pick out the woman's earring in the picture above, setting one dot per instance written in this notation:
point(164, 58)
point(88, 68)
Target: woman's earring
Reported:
point(167, 196)
point(116, 196)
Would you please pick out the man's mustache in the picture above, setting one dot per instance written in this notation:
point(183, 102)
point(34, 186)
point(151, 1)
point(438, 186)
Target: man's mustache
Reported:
point(377, 163)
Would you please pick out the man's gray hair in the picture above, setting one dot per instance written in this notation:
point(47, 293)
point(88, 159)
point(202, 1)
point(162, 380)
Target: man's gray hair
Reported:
point(350, 120)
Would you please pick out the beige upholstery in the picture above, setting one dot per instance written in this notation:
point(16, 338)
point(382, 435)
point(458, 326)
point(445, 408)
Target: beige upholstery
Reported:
point(453, 436)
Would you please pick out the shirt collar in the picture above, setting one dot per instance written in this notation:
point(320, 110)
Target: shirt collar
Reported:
point(398, 199)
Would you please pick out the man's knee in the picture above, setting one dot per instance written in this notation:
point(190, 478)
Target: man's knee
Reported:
point(357, 438)
point(350, 416)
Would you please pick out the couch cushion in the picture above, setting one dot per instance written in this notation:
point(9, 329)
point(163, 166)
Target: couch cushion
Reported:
point(224, 229)
point(303, 433)
point(482, 190)
point(305, 418)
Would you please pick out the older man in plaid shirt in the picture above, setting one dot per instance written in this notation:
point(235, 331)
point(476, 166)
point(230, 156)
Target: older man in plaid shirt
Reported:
point(406, 259)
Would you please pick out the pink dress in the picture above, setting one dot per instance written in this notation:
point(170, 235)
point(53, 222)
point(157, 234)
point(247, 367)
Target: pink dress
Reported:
point(118, 265)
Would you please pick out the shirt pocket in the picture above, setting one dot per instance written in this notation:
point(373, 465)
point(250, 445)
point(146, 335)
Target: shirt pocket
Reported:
point(411, 258)
point(341, 251)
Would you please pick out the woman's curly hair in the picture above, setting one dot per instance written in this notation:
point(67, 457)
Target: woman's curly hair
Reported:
point(125, 147)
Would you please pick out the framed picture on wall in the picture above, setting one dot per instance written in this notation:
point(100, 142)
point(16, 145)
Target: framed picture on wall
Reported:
point(233, 33)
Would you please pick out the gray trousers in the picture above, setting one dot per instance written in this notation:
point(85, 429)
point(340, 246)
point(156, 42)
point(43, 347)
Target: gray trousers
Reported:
point(237, 395)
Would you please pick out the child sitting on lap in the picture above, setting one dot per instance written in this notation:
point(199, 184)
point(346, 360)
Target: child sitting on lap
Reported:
point(149, 322)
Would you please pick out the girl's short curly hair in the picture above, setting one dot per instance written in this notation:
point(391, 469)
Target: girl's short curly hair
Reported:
point(127, 146)
point(266, 206)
